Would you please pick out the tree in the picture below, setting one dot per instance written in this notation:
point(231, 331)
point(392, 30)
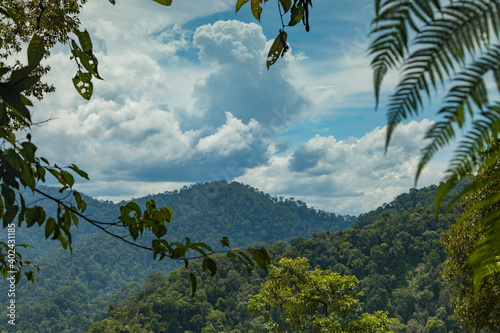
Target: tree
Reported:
point(313, 301)
point(460, 242)
point(454, 44)
point(42, 25)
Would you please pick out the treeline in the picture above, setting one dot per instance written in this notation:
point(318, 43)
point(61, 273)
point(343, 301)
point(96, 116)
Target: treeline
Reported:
point(394, 251)
point(75, 290)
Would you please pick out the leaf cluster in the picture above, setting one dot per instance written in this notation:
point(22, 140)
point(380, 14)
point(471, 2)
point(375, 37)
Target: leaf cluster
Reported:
point(298, 10)
point(454, 44)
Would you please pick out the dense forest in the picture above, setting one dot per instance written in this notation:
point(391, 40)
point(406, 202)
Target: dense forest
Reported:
point(394, 251)
point(75, 290)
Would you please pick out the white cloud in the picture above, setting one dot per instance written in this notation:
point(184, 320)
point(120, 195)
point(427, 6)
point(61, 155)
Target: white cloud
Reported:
point(180, 106)
point(154, 122)
point(242, 84)
point(230, 137)
point(350, 176)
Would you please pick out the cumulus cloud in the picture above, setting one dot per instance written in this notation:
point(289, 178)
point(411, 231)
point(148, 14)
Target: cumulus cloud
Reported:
point(348, 176)
point(242, 84)
point(181, 104)
point(140, 126)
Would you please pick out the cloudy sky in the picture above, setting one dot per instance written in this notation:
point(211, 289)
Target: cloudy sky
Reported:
point(187, 98)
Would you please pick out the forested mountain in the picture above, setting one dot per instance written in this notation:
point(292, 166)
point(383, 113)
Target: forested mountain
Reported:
point(75, 290)
point(394, 251)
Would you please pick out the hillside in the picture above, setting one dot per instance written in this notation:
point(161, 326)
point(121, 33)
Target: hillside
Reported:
point(394, 251)
point(75, 290)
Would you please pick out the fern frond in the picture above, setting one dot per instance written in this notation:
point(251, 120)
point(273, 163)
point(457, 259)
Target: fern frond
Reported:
point(469, 88)
point(466, 157)
point(461, 30)
point(488, 160)
point(390, 26)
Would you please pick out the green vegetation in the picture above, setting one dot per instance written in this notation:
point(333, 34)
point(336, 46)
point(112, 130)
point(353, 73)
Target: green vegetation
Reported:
point(454, 44)
point(313, 301)
point(460, 242)
point(102, 271)
point(42, 26)
point(393, 251)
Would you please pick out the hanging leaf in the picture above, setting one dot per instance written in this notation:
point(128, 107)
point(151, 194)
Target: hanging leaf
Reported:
point(84, 39)
point(239, 4)
point(256, 9)
point(164, 2)
point(278, 48)
point(194, 283)
point(224, 242)
point(296, 15)
point(83, 84)
point(286, 4)
point(36, 50)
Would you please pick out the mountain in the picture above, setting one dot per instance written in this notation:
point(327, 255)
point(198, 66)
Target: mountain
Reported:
point(394, 251)
point(74, 290)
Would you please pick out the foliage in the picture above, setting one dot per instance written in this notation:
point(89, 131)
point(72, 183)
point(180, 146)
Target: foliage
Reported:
point(455, 44)
point(299, 11)
point(21, 168)
point(163, 305)
point(394, 252)
point(460, 242)
point(102, 271)
point(313, 301)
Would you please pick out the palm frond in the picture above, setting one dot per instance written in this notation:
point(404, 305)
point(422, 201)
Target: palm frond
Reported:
point(443, 45)
point(470, 157)
point(468, 88)
point(483, 208)
point(466, 157)
point(393, 18)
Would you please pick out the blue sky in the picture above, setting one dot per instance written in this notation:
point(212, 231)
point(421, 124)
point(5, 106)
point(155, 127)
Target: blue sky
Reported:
point(187, 98)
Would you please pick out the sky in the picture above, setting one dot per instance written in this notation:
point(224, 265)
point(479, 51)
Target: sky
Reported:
point(187, 98)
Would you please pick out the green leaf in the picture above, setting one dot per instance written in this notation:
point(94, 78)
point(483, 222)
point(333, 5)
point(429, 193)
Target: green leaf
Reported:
point(28, 151)
point(21, 73)
point(164, 2)
point(49, 227)
point(4, 70)
point(10, 214)
point(28, 176)
point(36, 50)
point(83, 84)
point(85, 40)
point(194, 283)
point(260, 258)
point(167, 212)
point(10, 14)
point(79, 172)
point(256, 9)
point(224, 242)
point(201, 245)
point(243, 257)
point(296, 15)
point(162, 231)
point(25, 100)
point(239, 4)
point(135, 207)
point(66, 178)
point(277, 48)
point(211, 265)
point(286, 4)
point(8, 195)
point(25, 83)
